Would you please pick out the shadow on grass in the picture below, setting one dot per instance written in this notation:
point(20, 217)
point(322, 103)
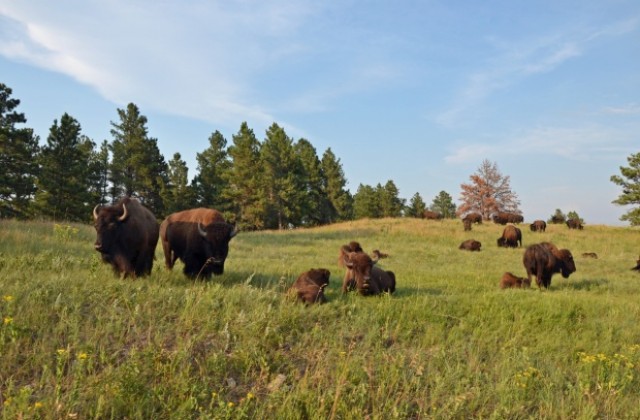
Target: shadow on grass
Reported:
point(585, 285)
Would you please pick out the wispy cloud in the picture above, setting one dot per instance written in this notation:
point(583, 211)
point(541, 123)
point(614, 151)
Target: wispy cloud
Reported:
point(628, 109)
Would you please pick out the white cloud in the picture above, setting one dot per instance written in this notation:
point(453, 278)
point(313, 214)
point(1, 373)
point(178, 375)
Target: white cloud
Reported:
point(628, 109)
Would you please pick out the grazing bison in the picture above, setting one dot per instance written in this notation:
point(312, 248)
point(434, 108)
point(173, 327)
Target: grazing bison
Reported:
point(376, 254)
point(467, 224)
point(543, 260)
point(127, 235)
point(509, 281)
point(473, 218)
point(470, 245)
point(538, 226)
point(503, 218)
point(200, 238)
point(309, 286)
point(637, 267)
point(511, 237)
point(363, 275)
point(590, 255)
point(575, 224)
point(431, 215)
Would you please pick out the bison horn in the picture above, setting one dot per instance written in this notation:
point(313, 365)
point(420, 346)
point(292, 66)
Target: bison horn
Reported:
point(124, 215)
point(95, 212)
point(233, 233)
point(201, 231)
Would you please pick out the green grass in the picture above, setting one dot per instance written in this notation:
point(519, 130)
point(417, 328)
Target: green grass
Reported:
point(76, 341)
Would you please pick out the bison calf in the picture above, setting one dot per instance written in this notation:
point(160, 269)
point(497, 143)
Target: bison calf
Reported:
point(309, 286)
point(509, 281)
point(543, 260)
point(470, 245)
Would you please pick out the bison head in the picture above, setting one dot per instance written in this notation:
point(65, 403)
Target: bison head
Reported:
point(108, 222)
point(567, 264)
point(216, 237)
point(360, 265)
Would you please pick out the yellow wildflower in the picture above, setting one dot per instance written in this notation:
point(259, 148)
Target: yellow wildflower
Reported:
point(7, 298)
point(82, 355)
point(7, 320)
point(61, 352)
point(230, 404)
point(37, 405)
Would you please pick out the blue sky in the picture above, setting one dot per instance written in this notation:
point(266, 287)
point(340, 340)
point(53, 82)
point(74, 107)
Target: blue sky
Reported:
point(419, 92)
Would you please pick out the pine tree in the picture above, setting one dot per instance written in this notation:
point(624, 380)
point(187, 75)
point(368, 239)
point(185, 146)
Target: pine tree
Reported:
point(63, 187)
point(443, 204)
point(416, 206)
point(315, 205)
point(340, 199)
point(18, 153)
point(282, 179)
point(211, 180)
point(243, 192)
point(137, 167)
point(489, 192)
point(390, 204)
point(557, 217)
point(98, 178)
point(366, 203)
point(630, 183)
point(178, 194)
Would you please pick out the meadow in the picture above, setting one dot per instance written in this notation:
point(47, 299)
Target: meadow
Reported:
point(76, 341)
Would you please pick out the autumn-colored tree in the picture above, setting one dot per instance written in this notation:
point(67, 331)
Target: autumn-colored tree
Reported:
point(489, 192)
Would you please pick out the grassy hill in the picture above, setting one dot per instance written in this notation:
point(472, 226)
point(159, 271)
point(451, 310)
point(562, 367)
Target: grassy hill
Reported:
point(76, 341)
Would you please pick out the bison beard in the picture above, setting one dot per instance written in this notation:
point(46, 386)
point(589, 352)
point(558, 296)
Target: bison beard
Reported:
point(309, 286)
point(127, 235)
point(199, 238)
point(543, 260)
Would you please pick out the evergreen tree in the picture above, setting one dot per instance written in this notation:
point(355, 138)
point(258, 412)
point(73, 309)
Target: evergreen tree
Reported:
point(390, 204)
point(137, 167)
point(315, 205)
point(178, 195)
point(443, 204)
point(366, 202)
point(282, 179)
point(98, 178)
point(340, 199)
point(557, 217)
point(574, 215)
point(63, 187)
point(243, 192)
point(488, 192)
point(212, 178)
point(18, 152)
point(416, 206)
point(630, 183)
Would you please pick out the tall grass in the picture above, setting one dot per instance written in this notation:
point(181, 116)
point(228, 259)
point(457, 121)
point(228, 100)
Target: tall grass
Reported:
point(76, 341)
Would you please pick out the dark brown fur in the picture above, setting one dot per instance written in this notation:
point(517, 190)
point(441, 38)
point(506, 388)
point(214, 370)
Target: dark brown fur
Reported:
point(574, 224)
point(128, 245)
point(503, 218)
point(511, 237)
point(352, 246)
point(538, 226)
point(362, 275)
point(182, 239)
point(473, 218)
point(309, 286)
point(376, 254)
point(543, 260)
point(590, 255)
point(509, 281)
point(467, 224)
point(470, 245)
point(431, 215)
point(637, 267)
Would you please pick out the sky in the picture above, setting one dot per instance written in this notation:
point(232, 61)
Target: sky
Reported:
point(417, 92)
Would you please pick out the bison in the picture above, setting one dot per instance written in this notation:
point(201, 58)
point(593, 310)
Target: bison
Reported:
point(431, 215)
point(637, 267)
point(363, 275)
point(503, 218)
point(590, 255)
point(575, 224)
point(467, 224)
point(199, 238)
point(473, 218)
point(309, 286)
point(509, 281)
point(127, 235)
point(538, 226)
point(543, 260)
point(376, 254)
point(470, 245)
point(511, 237)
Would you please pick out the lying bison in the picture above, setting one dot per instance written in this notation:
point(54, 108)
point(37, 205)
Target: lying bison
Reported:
point(538, 226)
point(470, 245)
point(510, 281)
point(575, 224)
point(503, 218)
point(309, 286)
point(362, 274)
point(543, 260)
point(199, 238)
point(511, 237)
point(127, 235)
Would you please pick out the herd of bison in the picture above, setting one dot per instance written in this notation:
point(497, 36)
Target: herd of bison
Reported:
point(128, 232)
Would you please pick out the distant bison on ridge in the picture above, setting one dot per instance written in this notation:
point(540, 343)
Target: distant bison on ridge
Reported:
point(543, 260)
point(503, 218)
point(538, 226)
point(473, 218)
point(575, 224)
point(200, 238)
point(431, 215)
point(511, 237)
point(127, 235)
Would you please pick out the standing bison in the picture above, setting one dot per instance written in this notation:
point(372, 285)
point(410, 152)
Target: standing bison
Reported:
point(309, 286)
point(503, 218)
point(473, 218)
point(467, 224)
point(511, 237)
point(575, 224)
point(362, 274)
point(543, 260)
point(200, 238)
point(127, 235)
point(538, 226)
